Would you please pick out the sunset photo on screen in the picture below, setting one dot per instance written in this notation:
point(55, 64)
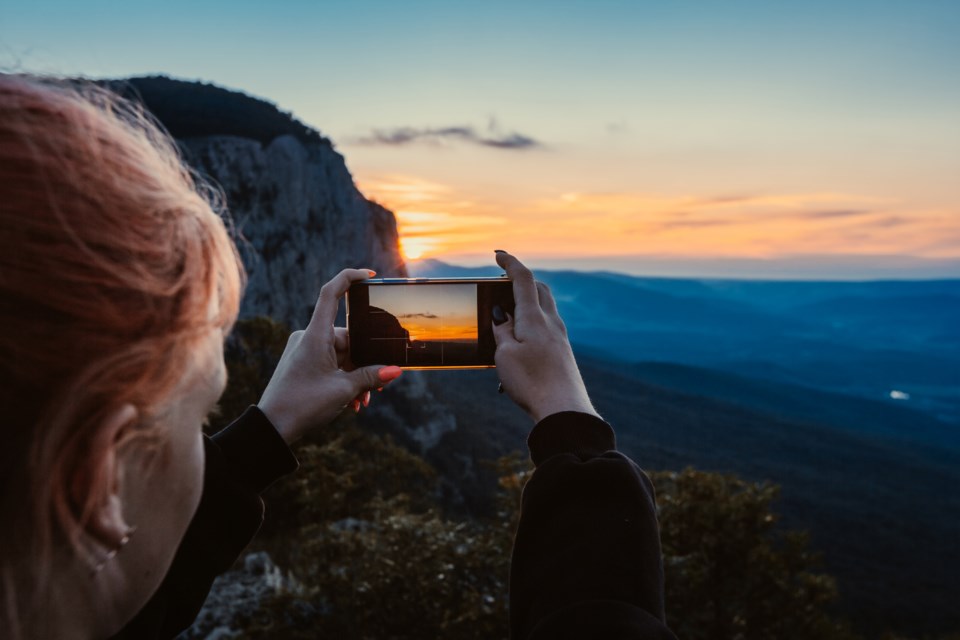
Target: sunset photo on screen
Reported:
point(427, 325)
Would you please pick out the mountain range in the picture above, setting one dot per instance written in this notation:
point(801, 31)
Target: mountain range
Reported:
point(894, 342)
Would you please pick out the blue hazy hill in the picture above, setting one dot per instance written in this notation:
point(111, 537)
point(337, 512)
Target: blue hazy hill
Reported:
point(861, 339)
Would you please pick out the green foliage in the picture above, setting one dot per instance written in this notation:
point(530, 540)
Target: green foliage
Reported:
point(730, 572)
point(360, 525)
point(409, 575)
point(194, 109)
point(347, 473)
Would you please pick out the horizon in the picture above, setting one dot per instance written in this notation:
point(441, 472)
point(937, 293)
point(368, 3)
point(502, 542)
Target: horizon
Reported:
point(745, 141)
point(719, 270)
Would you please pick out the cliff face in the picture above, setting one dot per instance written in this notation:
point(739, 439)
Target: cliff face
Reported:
point(302, 217)
point(293, 201)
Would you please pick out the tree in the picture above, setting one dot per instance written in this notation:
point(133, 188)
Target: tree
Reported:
point(730, 572)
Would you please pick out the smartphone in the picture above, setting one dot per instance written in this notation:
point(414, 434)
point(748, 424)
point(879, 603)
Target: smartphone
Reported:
point(426, 323)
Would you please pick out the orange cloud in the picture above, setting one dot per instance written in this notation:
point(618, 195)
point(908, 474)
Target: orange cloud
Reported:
point(437, 220)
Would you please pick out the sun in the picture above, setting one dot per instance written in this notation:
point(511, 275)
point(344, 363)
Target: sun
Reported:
point(414, 248)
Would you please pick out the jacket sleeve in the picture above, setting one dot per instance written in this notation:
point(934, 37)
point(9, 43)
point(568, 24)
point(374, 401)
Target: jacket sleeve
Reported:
point(241, 461)
point(586, 560)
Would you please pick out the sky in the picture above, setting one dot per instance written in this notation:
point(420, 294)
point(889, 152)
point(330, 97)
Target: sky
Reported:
point(754, 139)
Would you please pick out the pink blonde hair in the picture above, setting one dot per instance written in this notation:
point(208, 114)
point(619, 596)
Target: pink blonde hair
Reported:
point(111, 253)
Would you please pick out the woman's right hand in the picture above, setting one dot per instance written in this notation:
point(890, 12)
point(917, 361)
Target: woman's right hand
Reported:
point(534, 359)
point(315, 379)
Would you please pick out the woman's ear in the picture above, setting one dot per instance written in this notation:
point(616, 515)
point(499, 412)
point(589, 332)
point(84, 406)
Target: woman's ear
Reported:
point(106, 523)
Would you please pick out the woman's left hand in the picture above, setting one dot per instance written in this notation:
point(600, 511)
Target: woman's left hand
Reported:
point(315, 379)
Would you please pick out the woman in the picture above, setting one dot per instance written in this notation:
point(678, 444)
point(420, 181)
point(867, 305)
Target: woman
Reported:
point(118, 284)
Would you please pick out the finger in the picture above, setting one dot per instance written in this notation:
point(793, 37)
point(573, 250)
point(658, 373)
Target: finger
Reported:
point(362, 398)
point(341, 344)
point(373, 377)
point(547, 303)
point(527, 302)
point(341, 340)
point(325, 311)
point(503, 332)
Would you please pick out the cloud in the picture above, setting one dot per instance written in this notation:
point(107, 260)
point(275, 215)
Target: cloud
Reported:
point(493, 137)
point(694, 224)
point(837, 213)
point(428, 315)
point(888, 221)
point(722, 200)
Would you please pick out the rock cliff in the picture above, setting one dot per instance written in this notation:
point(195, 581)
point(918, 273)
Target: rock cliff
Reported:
point(298, 213)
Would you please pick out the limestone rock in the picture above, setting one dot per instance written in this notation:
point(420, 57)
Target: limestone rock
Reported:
point(301, 217)
point(236, 594)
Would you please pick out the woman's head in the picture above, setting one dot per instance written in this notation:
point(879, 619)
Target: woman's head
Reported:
point(117, 283)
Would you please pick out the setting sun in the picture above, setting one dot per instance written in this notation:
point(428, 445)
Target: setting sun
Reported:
point(414, 248)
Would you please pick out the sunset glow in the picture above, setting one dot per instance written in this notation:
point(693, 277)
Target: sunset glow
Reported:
point(609, 224)
point(440, 331)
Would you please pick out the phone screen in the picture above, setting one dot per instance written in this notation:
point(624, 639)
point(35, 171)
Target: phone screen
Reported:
point(426, 324)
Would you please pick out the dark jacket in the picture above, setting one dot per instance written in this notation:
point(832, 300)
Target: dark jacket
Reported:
point(586, 560)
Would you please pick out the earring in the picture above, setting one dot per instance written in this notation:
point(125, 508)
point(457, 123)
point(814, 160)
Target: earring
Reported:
point(112, 553)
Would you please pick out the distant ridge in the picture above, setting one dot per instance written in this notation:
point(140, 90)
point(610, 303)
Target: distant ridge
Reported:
point(864, 339)
point(191, 109)
point(432, 268)
point(784, 401)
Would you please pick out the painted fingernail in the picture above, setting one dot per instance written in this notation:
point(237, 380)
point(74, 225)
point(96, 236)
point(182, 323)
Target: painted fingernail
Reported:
point(371, 273)
point(366, 399)
point(388, 374)
point(499, 317)
point(356, 406)
point(379, 389)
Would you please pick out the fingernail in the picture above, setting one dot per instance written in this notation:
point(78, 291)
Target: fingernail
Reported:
point(389, 373)
point(366, 399)
point(371, 273)
point(379, 389)
point(499, 317)
point(499, 251)
point(356, 406)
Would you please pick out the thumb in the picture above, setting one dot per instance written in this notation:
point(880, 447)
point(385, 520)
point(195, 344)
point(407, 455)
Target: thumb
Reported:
point(373, 377)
